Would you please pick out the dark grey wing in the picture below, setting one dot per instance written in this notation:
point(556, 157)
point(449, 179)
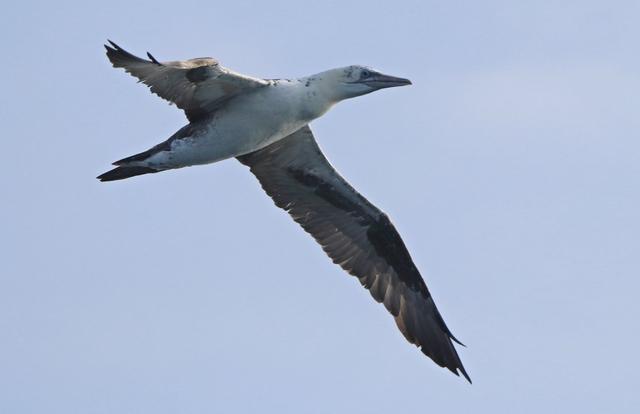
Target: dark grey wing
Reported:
point(356, 235)
point(198, 86)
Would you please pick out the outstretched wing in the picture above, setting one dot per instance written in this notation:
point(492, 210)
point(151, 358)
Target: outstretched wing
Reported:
point(198, 86)
point(356, 235)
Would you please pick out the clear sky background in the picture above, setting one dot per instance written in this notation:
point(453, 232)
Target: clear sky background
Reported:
point(511, 168)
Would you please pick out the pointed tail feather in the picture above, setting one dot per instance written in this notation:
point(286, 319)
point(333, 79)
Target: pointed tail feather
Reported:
point(120, 173)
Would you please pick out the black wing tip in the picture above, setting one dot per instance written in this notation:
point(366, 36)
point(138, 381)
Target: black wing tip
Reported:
point(154, 60)
point(109, 47)
point(115, 53)
point(452, 362)
point(460, 367)
point(454, 339)
point(112, 47)
point(448, 357)
point(120, 57)
point(460, 370)
point(456, 366)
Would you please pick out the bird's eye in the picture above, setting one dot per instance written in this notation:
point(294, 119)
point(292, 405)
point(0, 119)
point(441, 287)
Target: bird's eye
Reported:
point(365, 74)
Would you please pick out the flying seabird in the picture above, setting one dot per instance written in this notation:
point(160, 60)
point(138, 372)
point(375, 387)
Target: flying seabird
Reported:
point(264, 123)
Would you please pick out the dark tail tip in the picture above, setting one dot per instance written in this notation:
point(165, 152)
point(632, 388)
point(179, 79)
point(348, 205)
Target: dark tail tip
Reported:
point(120, 173)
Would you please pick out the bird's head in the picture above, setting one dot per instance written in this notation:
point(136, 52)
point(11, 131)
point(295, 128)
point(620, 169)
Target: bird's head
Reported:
point(355, 80)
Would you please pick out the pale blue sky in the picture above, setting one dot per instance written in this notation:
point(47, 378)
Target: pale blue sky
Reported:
point(510, 167)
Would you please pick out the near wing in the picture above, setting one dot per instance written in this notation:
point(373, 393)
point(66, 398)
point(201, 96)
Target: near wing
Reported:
point(356, 235)
point(198, 86)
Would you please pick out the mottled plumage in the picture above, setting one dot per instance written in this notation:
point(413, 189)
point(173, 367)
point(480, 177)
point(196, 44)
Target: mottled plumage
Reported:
point(264, 123)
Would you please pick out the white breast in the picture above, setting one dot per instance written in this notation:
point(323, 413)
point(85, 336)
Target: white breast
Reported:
point(248, 123)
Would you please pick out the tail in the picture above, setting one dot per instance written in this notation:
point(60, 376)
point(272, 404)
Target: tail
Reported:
point(122, 172)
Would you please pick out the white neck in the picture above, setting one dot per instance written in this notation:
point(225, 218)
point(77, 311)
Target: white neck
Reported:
point(318, 95)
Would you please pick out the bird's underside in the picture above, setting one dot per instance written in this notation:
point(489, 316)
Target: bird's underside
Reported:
point(295, 174)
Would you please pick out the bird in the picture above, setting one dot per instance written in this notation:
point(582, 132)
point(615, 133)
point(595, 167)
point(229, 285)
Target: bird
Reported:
point(264, 124)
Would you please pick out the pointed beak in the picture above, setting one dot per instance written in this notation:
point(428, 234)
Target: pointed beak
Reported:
point(379, 81)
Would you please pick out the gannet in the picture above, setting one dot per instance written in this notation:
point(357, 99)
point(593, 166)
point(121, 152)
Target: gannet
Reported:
point(264, 123)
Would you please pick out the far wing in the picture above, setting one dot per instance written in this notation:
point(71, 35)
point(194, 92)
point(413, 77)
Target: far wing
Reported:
point(198, 86)
point(356, 235)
